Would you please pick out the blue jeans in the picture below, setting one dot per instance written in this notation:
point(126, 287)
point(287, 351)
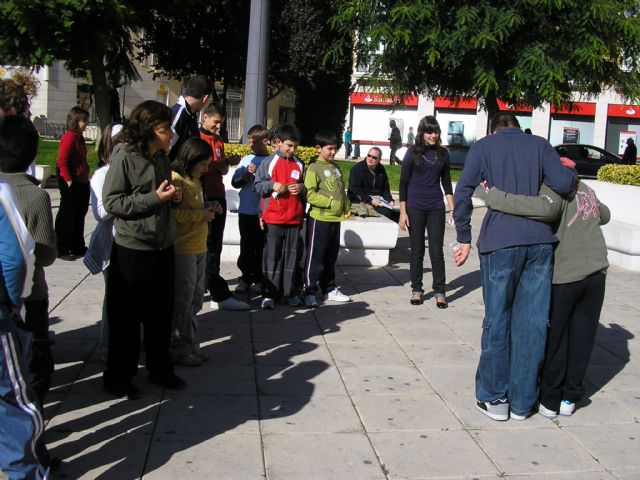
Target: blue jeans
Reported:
point(21, 423)
point(516, 286)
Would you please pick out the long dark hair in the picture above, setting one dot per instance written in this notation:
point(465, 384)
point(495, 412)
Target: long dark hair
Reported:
point(193, 151)
point(144, 118)
point(420, 148)
point(75, 115)
point(107, 142)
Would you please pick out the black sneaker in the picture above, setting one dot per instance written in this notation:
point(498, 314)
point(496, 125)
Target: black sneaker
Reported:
point(497, 410)
point(172, 382)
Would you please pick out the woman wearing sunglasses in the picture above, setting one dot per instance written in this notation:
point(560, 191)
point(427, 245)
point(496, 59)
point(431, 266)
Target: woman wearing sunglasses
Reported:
point(425, 174)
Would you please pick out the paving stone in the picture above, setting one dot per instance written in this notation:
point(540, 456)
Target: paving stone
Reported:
point(210, 379)
point(599, 409)
point(227, 456)
point(300, 414)
point(442, 354)
point(451, 379)
point(431, 454)
point(329, 456)
point(565, 476)
point(389, 380)
point(385, 413)
point(628, 398)
point(535, 451)
point(306, 378)
point(615, 446)
point(205, 416)
point(352, 355)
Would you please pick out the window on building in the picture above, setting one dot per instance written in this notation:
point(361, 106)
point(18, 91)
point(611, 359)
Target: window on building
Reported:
point(233, 121)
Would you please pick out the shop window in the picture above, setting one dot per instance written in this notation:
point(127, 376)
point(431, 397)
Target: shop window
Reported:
point(233, 120)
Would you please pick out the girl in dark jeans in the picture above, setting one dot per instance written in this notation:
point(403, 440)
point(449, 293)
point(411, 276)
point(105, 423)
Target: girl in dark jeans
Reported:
point(425, 174)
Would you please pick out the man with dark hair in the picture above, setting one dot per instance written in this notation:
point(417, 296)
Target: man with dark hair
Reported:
point(395, 142)
point(185, 112)
point(630, 153)
point(516, 256)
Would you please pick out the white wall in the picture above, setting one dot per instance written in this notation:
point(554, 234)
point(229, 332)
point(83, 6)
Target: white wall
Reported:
point(372, 123)
point(467, 117)
point(558, 126)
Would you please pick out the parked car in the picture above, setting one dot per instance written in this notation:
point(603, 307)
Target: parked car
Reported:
point(588, 158)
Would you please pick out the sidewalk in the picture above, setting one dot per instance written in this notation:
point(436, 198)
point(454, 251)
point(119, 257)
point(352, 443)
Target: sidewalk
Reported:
point(373, 389)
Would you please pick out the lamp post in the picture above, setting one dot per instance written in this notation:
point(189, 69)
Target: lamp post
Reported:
point(255, 99)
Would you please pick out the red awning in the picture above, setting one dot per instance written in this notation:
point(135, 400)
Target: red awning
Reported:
point(457, 102)
point(381, 99)
point(514, 107)
point(579, 108)
point(628, 111)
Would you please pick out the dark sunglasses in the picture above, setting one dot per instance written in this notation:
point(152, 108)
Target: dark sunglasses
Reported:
point(431, 130)
point(372, 156)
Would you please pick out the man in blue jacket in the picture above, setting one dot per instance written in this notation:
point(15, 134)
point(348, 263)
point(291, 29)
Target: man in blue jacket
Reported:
point(516, 257)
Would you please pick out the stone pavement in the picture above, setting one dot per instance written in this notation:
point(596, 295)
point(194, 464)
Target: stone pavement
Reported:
point(373, 389)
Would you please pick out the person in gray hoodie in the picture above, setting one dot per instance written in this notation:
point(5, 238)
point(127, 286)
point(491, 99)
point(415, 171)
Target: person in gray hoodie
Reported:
point(579, 272)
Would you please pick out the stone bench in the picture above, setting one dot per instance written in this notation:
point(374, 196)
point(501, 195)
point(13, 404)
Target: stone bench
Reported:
point(363, 241)
point(42, 173)
point(622, 233)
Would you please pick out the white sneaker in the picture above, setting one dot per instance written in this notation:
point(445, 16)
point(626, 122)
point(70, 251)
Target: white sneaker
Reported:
point(546, 413)
point(310, 301)
point(515, 416)
point(267, 304)
point(336, 295)
point(567, 408)
point(242, 287)
point(232, 303)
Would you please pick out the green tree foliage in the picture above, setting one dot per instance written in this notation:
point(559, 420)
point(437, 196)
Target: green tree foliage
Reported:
point(93, 36)
point(516, 50)
point(299, 50)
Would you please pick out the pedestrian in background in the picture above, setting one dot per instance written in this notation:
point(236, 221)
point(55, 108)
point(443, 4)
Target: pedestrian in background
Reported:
point(347, 143)
point(73, 182)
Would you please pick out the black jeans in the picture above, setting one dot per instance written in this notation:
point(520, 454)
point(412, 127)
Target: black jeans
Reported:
point(573, 323)
point(41, 366)
point(323, 247)
point(74, 204)
point(251, 246)
point(139, 290)
point(218, 287)
point(434, 222)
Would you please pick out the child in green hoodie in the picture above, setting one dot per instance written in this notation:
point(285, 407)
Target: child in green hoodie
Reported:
point(579, 273)
point(329, 205)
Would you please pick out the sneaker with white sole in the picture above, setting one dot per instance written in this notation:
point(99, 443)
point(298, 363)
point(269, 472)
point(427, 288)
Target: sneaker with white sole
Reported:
point(497, 410)
point(516, 416)
point(242, 287)
point(267, 304)
point(310, 301)
point(336, 295)
point(232, 303)
point(546, 412)
point(294, 301)
point(567, 408)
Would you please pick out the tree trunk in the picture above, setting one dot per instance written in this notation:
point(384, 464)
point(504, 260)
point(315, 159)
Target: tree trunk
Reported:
point(491, 103)
point(100, 88)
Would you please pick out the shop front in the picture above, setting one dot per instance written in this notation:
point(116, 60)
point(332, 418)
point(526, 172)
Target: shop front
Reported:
point(573, 124)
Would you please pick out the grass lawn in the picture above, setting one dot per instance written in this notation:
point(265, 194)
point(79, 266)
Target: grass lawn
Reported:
point(48, 153)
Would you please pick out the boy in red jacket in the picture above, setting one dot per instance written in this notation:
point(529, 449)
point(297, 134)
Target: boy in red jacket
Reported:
point(279, 181)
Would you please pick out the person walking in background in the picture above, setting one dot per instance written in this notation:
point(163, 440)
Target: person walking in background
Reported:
point(516, 256)
point(329, 207)
point(579, 275)
point(425, 174)
point(347, 143)
point(99, 252)
point(73, 182)
point(410, 137)
point(395, 142)
point(630, 153)
point(369, 183)
point(279, 181)
point(251, 234)
point(184, 124)
point(192, 226)
point(214, 191)
point(140, 288)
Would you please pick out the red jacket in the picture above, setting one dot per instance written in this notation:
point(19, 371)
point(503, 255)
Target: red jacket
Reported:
point(282, 209)
point(72, 158)
point(212, 182)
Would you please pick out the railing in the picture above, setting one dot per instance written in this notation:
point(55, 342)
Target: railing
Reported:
point(54, 131)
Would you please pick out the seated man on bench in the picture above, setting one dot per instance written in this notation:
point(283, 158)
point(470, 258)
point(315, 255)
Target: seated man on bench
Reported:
point(368, 180)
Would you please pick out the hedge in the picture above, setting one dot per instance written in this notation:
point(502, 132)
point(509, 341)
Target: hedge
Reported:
point(306, 154)
point(623, 174)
